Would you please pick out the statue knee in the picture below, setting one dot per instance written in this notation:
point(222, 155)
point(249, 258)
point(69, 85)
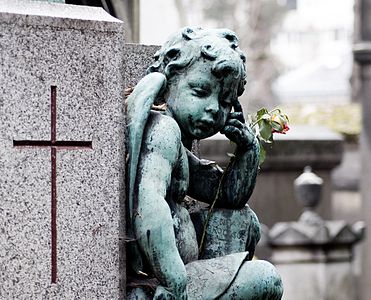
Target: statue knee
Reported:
point(261, 281)
point(272, 280)
point(179, 284)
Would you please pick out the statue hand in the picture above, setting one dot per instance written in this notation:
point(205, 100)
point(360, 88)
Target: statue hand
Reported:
point(238, 131)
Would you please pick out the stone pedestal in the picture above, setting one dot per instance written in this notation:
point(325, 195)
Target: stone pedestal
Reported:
point(314, 256)
point(315, 262)
point(137, 59)
point(61, 152)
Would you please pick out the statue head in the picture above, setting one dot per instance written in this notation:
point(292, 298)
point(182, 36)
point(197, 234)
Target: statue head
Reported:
point(205, 74)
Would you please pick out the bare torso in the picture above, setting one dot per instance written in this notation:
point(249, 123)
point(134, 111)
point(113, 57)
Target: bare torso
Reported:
point(184, 230)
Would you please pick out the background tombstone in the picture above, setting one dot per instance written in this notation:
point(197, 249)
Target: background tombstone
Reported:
point(314, 256)
point(61, 152)
point(125, 10)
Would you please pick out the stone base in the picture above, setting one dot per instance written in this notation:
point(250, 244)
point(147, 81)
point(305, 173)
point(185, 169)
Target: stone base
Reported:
point(320, 281)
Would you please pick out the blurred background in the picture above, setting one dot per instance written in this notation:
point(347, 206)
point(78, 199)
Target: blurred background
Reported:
point(299, 51)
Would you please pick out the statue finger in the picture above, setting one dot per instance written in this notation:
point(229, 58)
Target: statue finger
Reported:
point(232, 133)
point(237, 106)
point(235, 122)
point(237, 115)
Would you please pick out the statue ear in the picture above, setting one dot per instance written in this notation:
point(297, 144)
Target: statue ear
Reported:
point(171, 54)
point(188, 33)
point(231, 37)
point(157, 55)
point(162, 61)
point(156, 66)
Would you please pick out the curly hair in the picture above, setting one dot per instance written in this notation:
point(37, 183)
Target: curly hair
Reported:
point(189, 44)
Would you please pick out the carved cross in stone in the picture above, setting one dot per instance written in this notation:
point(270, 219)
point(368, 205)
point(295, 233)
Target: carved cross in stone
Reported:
point(54, 145)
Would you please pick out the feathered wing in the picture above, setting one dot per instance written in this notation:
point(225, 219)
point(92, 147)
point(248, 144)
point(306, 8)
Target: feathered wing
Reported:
point(139, 105)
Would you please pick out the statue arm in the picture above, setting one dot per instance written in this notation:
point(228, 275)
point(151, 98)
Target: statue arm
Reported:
point(237, 182)
point(153, 224)
point(236, 185)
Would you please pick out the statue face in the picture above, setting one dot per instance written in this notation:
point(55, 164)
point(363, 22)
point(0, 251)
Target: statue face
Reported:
point(200, 102)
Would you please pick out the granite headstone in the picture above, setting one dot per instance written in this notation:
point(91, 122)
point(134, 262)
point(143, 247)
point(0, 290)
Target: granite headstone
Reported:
point(61, 152)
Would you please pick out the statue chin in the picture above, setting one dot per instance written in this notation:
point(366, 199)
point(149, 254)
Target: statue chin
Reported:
point(200, 134)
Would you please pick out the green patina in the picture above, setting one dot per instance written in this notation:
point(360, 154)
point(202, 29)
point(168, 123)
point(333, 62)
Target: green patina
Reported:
point(199, 75)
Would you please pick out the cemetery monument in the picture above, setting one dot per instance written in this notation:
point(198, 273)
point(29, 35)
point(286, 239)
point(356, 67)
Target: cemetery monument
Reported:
point(194, 84)
point(313, 251)
point(61, 152)
point(63, 215)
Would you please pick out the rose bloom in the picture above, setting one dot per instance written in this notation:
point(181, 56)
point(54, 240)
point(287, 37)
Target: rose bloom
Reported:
point(279, 123)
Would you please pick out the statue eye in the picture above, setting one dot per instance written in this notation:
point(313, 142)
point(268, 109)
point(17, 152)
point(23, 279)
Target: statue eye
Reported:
point(199, 88)
point(200, 92)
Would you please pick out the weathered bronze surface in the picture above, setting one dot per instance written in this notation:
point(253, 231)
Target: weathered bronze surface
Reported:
point(197, 78)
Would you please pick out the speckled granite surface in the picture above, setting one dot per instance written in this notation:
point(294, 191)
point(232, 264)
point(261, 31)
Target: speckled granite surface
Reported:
point(137, 59)
point(44, 45)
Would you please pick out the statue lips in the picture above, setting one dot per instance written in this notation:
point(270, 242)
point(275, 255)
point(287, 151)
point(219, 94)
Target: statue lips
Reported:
point(205, 125)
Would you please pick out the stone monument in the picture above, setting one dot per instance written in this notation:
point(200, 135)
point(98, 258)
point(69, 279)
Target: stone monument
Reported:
point(190, 93)
point(61, 152)
point(314, 256)
point(62, 161)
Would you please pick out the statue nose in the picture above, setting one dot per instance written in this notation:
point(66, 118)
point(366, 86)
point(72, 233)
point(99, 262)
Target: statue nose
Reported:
point(212, 109)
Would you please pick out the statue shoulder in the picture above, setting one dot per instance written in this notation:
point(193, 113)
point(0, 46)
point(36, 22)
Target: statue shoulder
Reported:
point(163, 135)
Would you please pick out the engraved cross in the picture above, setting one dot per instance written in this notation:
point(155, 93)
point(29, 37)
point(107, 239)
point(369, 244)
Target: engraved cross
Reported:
point(54, 145)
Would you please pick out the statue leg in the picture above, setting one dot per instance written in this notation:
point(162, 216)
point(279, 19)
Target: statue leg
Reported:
point(256, 280)
point(228, 231)
point(155, 232)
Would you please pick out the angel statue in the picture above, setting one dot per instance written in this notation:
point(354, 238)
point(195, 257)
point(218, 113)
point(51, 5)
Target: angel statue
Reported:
point(196, 78)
